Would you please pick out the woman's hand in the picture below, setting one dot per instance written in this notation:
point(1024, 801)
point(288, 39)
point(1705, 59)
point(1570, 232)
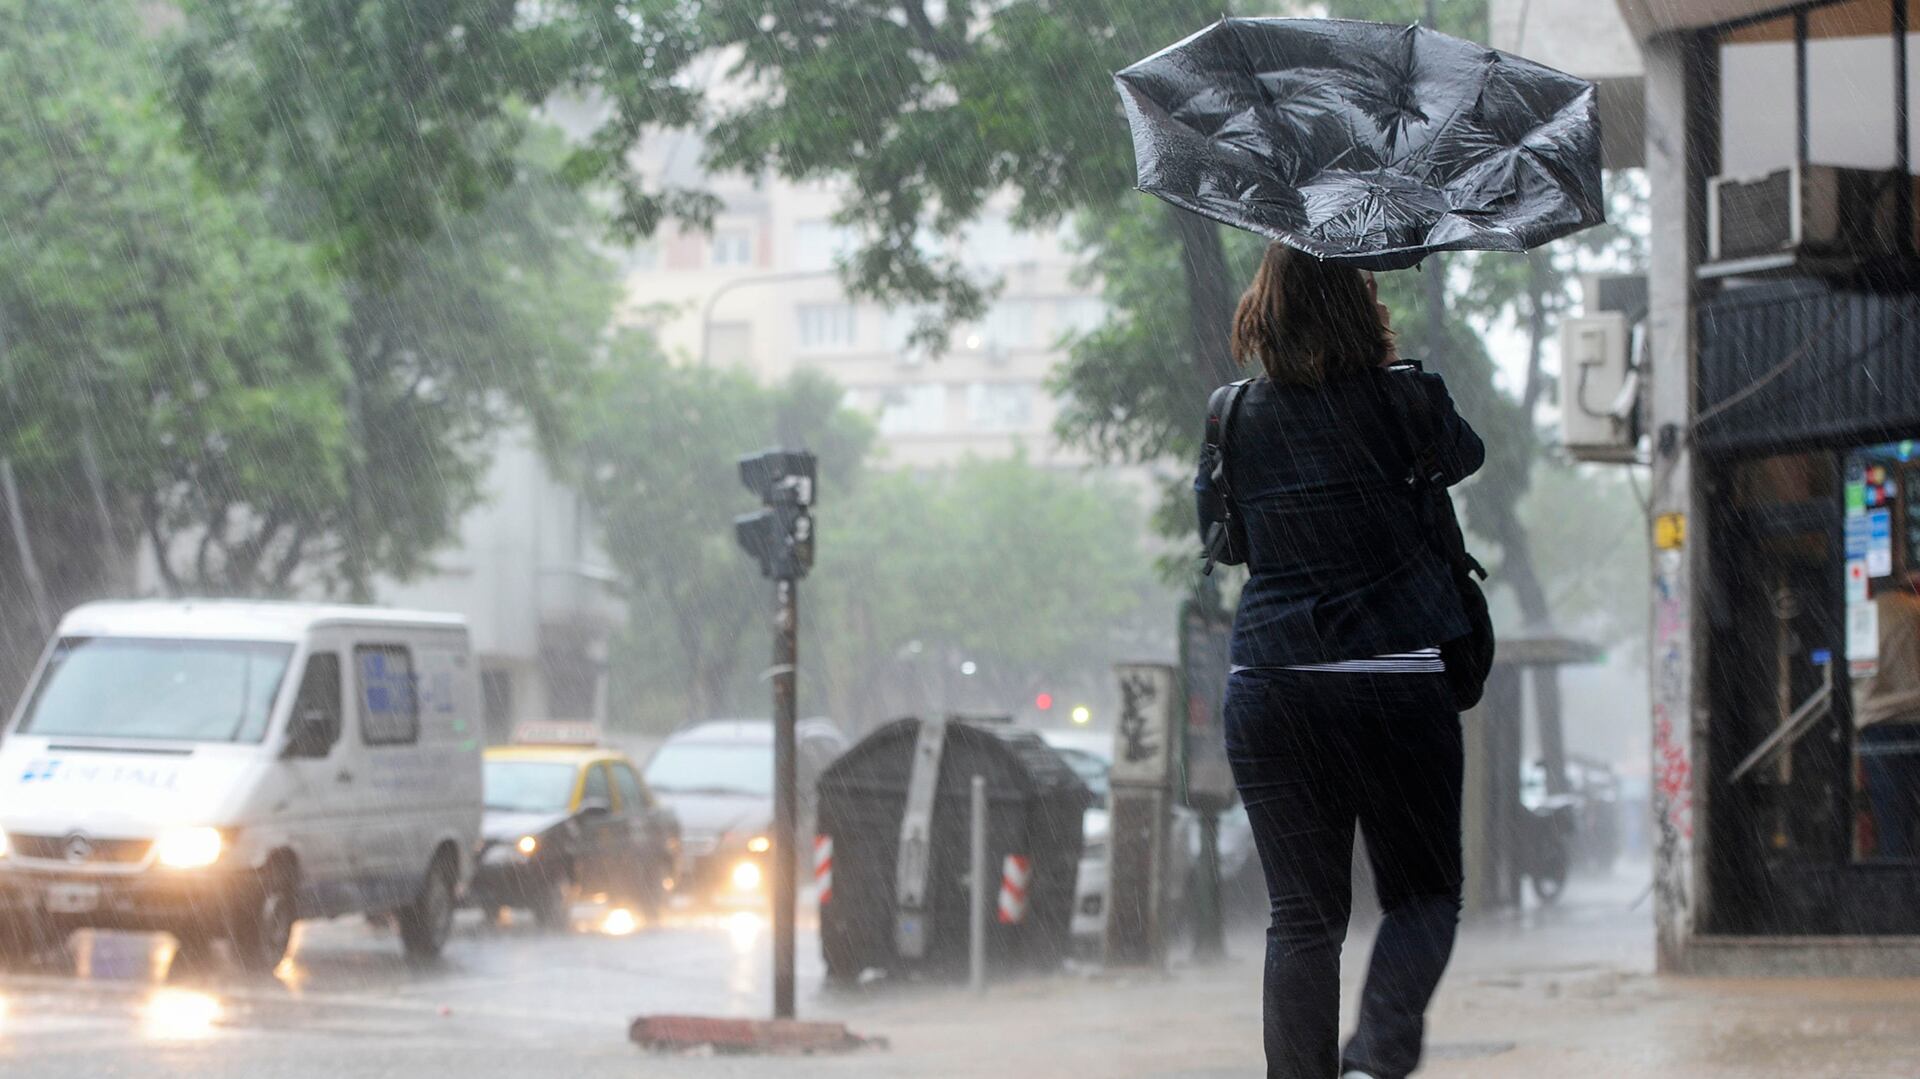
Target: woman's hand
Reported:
point(1392, 354)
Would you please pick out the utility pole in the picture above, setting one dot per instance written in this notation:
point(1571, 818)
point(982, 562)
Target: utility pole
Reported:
point(780, 537)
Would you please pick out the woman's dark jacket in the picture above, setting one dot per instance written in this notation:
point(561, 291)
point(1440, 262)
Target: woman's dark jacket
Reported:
point(1340, 563)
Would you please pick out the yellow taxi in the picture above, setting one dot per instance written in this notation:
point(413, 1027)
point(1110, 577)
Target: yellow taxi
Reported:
point(565, 822)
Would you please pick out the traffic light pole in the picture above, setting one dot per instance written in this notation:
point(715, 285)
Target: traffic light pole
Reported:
point(786, 648)
point(780, 538)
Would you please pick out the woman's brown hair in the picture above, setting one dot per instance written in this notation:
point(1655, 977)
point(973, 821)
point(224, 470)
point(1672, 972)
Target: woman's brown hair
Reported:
point(1308, 322)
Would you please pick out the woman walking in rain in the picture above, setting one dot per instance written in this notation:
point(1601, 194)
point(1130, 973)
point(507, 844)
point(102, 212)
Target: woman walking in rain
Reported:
point(1339, 711)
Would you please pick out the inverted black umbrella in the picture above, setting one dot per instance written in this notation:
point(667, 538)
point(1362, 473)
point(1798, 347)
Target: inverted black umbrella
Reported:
point(1365, 143)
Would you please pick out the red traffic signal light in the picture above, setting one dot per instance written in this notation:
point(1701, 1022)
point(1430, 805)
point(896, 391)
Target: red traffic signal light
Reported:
point(1043, 701)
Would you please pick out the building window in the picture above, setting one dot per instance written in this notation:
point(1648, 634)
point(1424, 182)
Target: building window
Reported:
point(1851, 90)
point(913, 410)
point(817, 243)
point(1000, 406)
point(826, 326)
point(643, 257)
point(1009, 325)
point(1078, 316)
point(994, 241)
point(732, 247)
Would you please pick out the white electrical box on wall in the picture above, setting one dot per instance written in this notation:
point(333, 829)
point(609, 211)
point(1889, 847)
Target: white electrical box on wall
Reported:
point(1598, 388)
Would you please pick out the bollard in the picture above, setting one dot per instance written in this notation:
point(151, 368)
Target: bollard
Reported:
point(977, 891)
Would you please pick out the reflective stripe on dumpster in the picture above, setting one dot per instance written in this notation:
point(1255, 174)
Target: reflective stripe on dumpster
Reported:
point(1015, 872)
point(823, 868)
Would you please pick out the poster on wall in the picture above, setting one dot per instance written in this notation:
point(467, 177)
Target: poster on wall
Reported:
point(1879, 543)
point(1863, 639)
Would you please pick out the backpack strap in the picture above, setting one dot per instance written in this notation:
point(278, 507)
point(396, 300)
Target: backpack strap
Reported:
point(1415, 422)
point(1222, 406)
point(1221, 409)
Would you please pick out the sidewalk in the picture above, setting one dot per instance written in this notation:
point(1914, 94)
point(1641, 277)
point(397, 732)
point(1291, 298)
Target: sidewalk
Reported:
point(1561, 992)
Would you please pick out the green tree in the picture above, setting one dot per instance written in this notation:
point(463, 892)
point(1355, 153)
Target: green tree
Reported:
point(401, 143)
point(655, 450)
point(925, 114)
point(162, 353)
point(1035, 577)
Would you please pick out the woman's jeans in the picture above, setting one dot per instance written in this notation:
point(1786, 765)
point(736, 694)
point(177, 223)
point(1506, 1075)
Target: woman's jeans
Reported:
point(1313, 754)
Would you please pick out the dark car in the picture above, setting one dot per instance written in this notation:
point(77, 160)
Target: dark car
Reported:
point(718, 778)
point(570, 823)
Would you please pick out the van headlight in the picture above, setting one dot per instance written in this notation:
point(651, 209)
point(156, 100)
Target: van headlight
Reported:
point(188, 848)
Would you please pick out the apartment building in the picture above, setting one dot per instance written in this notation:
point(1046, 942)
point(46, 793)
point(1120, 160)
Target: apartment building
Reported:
point(761, 291)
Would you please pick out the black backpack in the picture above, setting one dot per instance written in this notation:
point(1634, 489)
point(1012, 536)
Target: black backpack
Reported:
point(1226, 540)
point(1469, 658)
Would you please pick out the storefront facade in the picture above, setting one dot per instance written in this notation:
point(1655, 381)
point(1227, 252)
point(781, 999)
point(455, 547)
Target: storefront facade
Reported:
point(1783, 423)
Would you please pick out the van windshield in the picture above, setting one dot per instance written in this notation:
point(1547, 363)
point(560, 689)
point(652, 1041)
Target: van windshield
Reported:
point(128, 687)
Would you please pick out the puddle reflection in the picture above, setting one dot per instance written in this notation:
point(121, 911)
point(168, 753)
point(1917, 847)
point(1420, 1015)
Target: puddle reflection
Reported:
point(619, 922)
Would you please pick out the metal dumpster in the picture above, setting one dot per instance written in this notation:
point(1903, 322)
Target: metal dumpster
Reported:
point(891, 853)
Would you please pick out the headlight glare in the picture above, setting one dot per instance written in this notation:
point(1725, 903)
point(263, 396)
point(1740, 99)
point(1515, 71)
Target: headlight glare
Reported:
point(527, 845)
point(746, 877)
point(189, 848)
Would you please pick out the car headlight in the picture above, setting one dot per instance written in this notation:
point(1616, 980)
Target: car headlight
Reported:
point(527, 845)
point(189, 848)
point(759, 844)
point(746, 877)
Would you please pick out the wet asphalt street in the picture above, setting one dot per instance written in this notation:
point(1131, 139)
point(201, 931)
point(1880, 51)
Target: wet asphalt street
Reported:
point(1555, 992)
point(505, 1001)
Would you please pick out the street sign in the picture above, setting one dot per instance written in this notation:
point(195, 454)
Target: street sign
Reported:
point(1205, 632)
point(1140, 797)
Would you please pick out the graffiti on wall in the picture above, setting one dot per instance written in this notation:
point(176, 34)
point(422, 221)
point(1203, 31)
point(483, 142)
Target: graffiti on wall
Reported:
point(1672, 749)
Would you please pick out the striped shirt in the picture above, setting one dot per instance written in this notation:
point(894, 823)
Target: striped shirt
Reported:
point(1419, 661)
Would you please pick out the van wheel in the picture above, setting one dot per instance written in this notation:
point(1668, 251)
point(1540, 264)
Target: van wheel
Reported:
point(426, 924)
point(263, 926)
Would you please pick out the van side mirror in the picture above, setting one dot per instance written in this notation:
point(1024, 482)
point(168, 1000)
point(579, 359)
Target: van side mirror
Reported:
point(310, 733)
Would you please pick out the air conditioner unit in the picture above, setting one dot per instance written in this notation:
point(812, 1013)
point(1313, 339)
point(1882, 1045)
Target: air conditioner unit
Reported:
point(1598, 387)
point(1811, 217)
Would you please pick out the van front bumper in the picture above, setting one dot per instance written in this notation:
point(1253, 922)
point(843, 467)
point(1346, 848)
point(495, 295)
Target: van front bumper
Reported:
point(149, 900)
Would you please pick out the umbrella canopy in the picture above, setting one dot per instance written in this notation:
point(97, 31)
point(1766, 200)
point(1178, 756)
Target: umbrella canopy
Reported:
point(1365, 143)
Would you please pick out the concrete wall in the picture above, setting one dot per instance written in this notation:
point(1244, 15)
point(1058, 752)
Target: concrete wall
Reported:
point(527, 572)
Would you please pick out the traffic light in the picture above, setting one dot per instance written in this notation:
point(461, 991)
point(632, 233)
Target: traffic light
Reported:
point(779, 475)
point(779, 537)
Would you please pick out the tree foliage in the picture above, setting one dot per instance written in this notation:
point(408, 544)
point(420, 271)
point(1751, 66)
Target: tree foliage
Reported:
point(1037, 578)
point(655, 450)
point(926, 114)
point(400, 145)
point(395, 120)
point(158, 345)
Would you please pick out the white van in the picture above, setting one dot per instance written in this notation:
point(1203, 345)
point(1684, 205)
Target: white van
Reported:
point(222, 769)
